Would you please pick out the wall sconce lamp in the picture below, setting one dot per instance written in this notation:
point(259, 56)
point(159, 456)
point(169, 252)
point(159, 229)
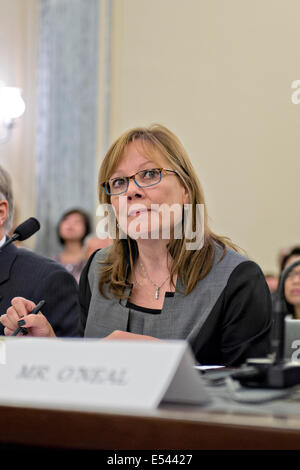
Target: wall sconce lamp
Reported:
point(12, 106)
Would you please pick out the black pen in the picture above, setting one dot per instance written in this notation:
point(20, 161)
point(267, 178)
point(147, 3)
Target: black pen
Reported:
point(34, 311)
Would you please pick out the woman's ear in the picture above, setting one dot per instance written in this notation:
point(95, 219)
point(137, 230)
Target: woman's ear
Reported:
point(186, 195)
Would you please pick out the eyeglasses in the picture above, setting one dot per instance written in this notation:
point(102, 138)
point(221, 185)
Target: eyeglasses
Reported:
point(293, 275)
point(143, 179)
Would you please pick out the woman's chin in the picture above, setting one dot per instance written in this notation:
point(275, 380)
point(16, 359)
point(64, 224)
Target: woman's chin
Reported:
point(295, 301)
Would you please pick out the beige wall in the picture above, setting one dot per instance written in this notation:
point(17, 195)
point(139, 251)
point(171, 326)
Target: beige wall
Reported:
point(219, 73)
point(18, 56)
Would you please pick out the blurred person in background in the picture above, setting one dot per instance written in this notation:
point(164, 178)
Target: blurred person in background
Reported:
point(292, 283)
point(72, 229)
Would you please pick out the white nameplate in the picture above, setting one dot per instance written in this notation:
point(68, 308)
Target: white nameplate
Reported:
point(93, 374)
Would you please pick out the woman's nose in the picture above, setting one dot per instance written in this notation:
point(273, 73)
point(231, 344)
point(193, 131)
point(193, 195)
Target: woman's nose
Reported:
point(134, 191)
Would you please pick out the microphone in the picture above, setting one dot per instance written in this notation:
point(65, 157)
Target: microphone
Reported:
point(276, 373)
point(23, 231)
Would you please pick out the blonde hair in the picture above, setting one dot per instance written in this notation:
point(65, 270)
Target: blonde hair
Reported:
point(190, 265)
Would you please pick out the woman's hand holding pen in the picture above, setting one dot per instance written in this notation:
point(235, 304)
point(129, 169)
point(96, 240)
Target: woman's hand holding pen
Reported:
point(18, 315)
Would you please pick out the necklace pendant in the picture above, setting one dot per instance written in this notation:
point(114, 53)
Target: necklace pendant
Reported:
point(156, 293)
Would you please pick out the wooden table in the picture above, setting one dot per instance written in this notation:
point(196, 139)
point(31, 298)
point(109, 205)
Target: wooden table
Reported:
point(169, 427)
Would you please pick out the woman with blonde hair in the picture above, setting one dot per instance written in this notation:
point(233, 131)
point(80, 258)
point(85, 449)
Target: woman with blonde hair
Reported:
point(166, 275)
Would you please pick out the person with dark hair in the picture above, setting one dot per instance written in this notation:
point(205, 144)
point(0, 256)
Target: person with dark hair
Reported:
point(72, 229)
point(167, 275)
point(27, 274)
point(292, 283)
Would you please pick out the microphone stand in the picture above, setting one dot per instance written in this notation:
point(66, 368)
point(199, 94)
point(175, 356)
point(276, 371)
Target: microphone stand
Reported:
point(276, 372)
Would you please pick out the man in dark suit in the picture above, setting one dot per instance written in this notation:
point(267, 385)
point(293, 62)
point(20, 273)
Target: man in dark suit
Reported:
point(26, 274)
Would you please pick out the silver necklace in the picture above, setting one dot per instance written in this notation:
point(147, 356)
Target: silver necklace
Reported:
point(156, 295)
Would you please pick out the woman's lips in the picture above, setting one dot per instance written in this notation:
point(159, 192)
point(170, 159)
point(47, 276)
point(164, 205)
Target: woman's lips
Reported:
point(137, 212)
point(295, 291)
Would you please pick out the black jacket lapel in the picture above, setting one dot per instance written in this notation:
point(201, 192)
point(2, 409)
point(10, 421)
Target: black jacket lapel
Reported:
point(7, 258)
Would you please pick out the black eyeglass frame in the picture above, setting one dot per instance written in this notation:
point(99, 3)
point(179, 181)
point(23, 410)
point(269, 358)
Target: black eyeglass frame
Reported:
point(132, 177)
